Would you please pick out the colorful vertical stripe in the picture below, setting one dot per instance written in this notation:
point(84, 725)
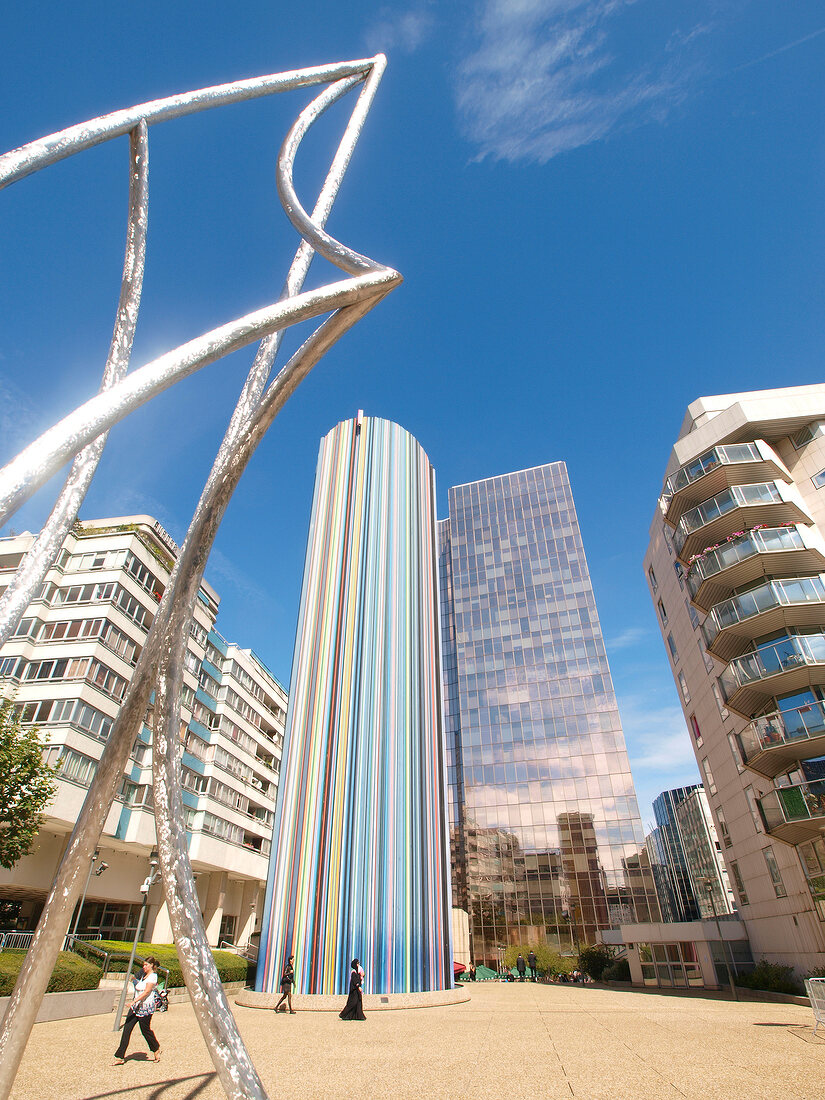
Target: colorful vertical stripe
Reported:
point(360, 856)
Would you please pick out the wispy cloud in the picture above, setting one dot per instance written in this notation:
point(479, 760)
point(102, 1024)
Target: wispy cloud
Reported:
point(627, 639)
point(656, 734)
point(546, 76)
point(400, 30)
point(222, 568)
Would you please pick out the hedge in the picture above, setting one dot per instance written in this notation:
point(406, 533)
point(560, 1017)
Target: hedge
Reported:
point(547, 960)
point(70, 972)
point(231, 967)
point(771, 977)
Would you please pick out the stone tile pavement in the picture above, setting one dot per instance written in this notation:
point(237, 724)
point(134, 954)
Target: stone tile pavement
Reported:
point(508, 1041)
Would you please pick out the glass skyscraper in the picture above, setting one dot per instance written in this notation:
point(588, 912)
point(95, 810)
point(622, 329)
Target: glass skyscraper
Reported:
point(547, 841)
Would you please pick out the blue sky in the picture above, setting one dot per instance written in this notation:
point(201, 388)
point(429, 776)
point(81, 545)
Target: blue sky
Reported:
point(602, 209)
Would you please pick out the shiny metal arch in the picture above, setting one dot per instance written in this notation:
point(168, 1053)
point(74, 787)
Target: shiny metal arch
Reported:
point(80, 437)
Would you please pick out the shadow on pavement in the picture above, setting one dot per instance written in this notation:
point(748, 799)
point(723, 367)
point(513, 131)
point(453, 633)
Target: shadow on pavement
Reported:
point(160, 1090)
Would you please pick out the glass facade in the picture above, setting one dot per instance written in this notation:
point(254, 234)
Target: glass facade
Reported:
point(546, 834)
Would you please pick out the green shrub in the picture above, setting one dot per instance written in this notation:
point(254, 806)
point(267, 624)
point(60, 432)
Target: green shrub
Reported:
point(594, 960)
point(70, 972)
point(771, 978)
point(547, 961)
point(818, 973)
point(231, 967)
point(618, 971)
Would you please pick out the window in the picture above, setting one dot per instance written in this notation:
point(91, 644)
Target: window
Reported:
point(736, 751)
point(723, 827)
point(680, 573)
point(667, 537)
point(706, 657)
point(709, 783)
point(773, 871)
point(652, 578)
point(720, 702)
point(754, 809)
point(691, 610)
point(697, 733)
point(683, 687)
point(662, 613)
point(671, 645)
point(740, 886)
point(811, 431)
point(819, 479)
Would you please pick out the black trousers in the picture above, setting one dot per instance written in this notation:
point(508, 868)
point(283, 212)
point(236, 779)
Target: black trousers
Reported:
point(145, 1024)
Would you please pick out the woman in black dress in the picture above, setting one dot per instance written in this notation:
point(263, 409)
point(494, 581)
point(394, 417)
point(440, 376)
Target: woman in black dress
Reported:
point(287, 981)
point(354, 1009)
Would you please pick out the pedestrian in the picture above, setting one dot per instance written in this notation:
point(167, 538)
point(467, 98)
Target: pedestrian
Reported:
point(287, 980)
point(521, 966)
point(531, 962)
point(140, 1012)
point(354, 1008)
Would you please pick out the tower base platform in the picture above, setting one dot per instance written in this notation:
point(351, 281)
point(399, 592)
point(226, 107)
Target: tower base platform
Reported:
point(373, 1002)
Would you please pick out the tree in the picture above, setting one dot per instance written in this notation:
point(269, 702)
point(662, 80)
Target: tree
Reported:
point(595, 960)
point(26, 785)
point(547, 960)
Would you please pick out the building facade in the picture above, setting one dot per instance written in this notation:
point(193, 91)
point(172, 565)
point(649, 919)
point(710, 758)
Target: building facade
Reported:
point(69, 665)
point(736, 569)
point(547, 842)
point(360, 867)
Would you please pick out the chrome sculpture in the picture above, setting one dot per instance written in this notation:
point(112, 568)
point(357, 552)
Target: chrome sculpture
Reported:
point(80, 438)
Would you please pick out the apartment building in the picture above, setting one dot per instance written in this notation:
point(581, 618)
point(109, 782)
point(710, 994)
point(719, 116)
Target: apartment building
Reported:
point(736, 570)
point(69, 665)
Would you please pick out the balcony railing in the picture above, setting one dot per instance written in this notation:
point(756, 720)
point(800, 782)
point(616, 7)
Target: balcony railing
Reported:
point(765, 540)
point(794, 814)
point(774, 742)
point(736, 496)
point(771, 660)
point(773, 594)
point(711, 460)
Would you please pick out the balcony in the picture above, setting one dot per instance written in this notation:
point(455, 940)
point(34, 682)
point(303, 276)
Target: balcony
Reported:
point(760, 552)
point(776, 742)
point(791, 664)
point(777, 605)
point(795, 814)
point(769, 503)
point(717, 469)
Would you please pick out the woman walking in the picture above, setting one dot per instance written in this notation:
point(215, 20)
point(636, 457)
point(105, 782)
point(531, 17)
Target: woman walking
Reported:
point(287, 980)
point(354, 1008)
point(140, 1012)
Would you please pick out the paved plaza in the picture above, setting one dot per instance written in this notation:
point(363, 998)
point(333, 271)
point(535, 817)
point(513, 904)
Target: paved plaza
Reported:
point(507, 1041)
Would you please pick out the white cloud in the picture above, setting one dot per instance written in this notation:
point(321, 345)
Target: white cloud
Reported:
point(628, 638)
point(547, 76)
point(400, 30)
point(659, 747)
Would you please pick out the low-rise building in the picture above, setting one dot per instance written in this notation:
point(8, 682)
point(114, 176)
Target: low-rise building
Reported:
point(69, 665)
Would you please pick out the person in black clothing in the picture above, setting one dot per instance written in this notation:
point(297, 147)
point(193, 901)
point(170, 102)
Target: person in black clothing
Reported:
point(354, 1008)
point(531, 962)
point(287, 980)
point(521, 966)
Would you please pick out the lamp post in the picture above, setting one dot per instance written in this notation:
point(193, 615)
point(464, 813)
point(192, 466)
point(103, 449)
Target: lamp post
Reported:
point(145, 887)
point(569, 916)
point(98, 872)
point(709, 888)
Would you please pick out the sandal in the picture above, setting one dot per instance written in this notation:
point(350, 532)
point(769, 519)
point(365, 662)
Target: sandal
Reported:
point(119, 1061)
point(156, 1054)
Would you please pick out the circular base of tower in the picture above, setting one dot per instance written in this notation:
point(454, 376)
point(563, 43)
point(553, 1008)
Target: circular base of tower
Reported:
point(373, 1002)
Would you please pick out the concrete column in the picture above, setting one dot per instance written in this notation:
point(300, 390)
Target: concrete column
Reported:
point(705, 957)
point(213, 910)
point(251, 901)
point(160, 929)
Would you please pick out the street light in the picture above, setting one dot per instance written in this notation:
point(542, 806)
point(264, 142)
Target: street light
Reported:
point(145, 887)
point(708, 884)
point(98, 871)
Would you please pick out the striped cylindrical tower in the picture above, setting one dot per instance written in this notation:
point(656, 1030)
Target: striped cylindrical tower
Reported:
point(360, 856)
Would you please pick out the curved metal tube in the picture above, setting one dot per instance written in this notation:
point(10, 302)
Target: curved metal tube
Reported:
point(161, 661)
point(19, 163)
point(21, 477)
point(40, 557)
